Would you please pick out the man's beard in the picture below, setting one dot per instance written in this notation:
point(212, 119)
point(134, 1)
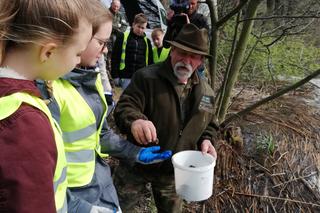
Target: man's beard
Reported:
point(182, 71)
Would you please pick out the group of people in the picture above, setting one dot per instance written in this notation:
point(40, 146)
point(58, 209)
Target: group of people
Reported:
point(132, 50)
point(54, 136)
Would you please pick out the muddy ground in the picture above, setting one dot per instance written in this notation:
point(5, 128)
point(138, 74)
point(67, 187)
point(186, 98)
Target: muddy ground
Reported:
point(272, 162)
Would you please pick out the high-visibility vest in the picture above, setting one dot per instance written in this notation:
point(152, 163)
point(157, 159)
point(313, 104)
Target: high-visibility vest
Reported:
point(163, 55)
point(80, 133)
point(124, 46)
point(10, 104)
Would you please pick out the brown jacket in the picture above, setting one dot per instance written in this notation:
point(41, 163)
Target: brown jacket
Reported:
point(152, 96)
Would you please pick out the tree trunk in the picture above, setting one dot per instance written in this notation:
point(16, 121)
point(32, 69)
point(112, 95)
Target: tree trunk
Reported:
point(270, 7)
point(238, 58)
point(212, 4)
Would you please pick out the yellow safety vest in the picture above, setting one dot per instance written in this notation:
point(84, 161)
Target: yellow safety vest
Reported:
point(163, 55)
point(81, 136)
point(124, 46)
point(10, 104)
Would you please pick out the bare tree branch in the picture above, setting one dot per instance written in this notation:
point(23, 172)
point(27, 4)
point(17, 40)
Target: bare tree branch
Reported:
point(231, 13)
point(271, 97)
point(280, 17)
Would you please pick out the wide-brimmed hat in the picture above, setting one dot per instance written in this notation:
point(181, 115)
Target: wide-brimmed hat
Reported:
point(192, 39)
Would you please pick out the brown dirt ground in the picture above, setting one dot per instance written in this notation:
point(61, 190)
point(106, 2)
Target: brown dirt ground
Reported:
point(273, 163)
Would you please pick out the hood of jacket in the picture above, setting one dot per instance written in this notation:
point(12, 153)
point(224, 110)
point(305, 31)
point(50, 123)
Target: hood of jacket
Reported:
point(82, 76)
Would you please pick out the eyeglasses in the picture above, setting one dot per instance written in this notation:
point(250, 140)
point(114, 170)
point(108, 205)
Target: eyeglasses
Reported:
point(101, 42)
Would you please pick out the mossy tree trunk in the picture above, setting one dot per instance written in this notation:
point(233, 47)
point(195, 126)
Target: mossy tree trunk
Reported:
point(237, 59)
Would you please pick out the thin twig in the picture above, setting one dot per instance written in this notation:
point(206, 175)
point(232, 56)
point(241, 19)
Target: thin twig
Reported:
point(278, 198)
point(294, 179)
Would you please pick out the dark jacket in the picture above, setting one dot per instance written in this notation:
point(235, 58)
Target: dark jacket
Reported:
point(135, 55)
point(28, 155)
point(152, 96)
point(175, 25)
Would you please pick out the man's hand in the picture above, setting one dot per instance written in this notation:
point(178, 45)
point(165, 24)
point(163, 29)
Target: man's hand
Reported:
point(207, 147)
point(187, 17)
point(152, 155)
point(143, 131)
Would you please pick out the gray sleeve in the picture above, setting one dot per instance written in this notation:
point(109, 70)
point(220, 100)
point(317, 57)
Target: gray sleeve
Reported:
point(104, 76)
point(77, 205)
point(114, 145)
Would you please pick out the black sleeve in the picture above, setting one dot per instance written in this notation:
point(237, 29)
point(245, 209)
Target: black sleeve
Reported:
point(168, 35)
point(200, 21)
point(150, 56)
point(116, 55)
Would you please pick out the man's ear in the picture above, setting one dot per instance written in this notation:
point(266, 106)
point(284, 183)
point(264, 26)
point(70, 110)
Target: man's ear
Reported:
point(47, 50)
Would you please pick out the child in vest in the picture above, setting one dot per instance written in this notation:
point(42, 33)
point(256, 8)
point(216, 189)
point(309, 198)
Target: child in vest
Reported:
point(159, 52)
point(131, 51)
point(39, 39)
point(78, 104)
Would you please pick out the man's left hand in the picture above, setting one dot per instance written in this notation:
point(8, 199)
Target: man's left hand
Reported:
point(207, 147)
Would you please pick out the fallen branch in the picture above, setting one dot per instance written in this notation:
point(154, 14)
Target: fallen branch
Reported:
point(278, 198)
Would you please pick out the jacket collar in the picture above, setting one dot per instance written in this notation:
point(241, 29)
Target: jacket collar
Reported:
point(135, 35)
point(6, 72)
point(82, 76)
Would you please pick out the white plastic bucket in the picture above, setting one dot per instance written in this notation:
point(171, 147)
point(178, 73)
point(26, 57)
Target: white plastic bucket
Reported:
point(193, 172)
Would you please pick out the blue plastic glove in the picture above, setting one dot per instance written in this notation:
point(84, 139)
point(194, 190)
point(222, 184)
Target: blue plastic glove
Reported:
point(152, 155)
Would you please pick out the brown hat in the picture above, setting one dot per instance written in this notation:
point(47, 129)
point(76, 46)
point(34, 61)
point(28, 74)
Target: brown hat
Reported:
point(192, 39)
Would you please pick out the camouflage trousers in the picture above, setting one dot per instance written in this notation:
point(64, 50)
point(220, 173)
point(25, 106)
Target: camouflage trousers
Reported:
point(131, 182)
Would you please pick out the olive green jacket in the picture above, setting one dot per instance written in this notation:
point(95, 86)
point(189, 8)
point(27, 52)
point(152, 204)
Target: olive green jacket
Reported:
point(152, 96)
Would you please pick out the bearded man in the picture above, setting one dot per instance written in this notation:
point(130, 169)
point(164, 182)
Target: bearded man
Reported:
point(170, 104)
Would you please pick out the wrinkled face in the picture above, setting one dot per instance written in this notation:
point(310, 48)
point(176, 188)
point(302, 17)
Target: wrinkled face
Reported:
point(139, 29)
point(97, 45)
point(193, 6)
point(115, 6)
point(65, 57)
point(184, 63)
point(157, 39)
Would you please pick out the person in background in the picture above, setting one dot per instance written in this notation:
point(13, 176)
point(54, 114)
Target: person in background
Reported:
point(78, 104)
point(159, 52)
point(131, 51)
point(191, 16)
point(196, 18)
point(168, 101)
point(39, 39)
point(119, 23)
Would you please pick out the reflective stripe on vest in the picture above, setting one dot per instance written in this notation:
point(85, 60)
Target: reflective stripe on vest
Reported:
point(10, 104)
point(163, 55)
point(80, 132)
point(124, 46)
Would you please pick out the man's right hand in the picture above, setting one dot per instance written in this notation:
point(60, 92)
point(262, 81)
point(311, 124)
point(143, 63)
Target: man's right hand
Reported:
point(143, 131)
